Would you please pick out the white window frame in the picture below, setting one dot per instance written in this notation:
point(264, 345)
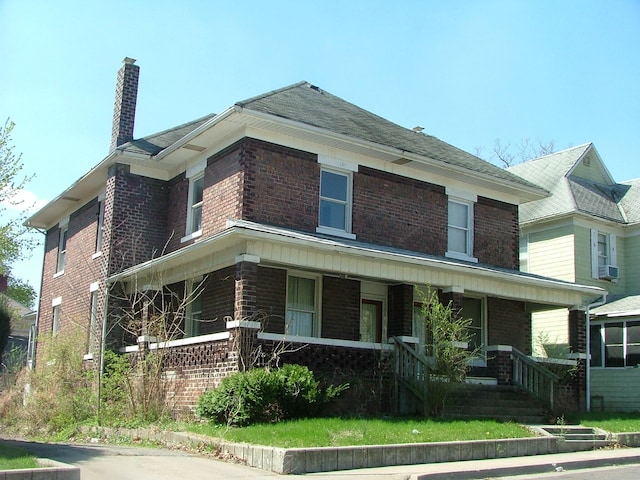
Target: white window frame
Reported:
point(194, 174)
point(610, 258)
point(468, 201)
point(346, 169)
point(63, 241)
point(194, 307)
point(93, 317)
point(602, 325)
point(100, 226)
point(55, 321)
point(316, 327)
point(524, 253)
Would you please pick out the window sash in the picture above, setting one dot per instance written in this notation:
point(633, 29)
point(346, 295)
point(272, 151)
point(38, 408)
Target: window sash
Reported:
point(194, 309)
point(335, 200)
point(100, 227)
point(93, 323)
point(459, 228)
point(196, 195)
point(615, 344)
point(62, 249)
point(301, 306)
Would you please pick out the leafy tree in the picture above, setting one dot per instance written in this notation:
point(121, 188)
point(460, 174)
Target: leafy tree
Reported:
point(13, 241)
point(21, 291)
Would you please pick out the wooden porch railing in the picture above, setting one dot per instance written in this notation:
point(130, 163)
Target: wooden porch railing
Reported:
point(411, 372)
point(533, 377)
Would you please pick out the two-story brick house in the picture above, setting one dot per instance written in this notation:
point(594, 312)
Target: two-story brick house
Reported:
point(588, 231)
point(292, 216)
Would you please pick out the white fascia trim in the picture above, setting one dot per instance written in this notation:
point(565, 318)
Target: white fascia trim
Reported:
point(193, 134)
point(332, 342)
point(338, 163)
point(467, 196)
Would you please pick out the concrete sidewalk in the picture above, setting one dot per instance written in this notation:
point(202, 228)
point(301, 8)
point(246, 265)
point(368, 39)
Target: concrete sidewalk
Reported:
point(480, 469)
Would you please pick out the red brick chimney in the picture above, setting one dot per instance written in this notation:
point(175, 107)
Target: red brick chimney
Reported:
point(124, 109)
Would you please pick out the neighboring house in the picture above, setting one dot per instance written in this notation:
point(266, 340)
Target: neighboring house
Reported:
point(588, 231)
point(292, 218)
point(22, 322)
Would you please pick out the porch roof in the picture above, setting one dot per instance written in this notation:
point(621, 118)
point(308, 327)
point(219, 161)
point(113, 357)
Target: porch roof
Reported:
point(276, 246)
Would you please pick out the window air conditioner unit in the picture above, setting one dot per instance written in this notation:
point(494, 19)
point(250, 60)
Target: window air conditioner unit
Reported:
point(608, 272)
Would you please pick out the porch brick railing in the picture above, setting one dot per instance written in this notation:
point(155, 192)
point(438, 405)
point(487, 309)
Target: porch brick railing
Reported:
point(533, 377)
point(411, 373)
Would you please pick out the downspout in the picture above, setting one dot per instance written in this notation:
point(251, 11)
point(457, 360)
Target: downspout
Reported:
point(588, 349)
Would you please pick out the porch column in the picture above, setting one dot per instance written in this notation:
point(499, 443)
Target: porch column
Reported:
point(400, 310)
point(246, 284)
point(578, 345)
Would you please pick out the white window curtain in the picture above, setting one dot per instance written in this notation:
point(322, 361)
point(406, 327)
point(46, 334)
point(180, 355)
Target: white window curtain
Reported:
point(301, 306)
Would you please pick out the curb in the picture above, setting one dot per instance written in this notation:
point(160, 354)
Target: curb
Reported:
point(50, 469)
point(328, 459)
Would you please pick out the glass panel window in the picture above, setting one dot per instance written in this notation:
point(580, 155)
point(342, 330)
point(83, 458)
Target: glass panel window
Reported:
point(197, 189)
point(459, 228)
point(93, 324)
point(472, 309)
point(194, 310)
point(55, 325)
point(62, 249)
point(371, 321)
point(335, 193)
point(100, 227)
point(615, 344)
point(301, 306)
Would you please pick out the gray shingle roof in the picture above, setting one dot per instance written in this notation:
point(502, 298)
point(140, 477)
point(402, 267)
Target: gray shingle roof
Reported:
point(308, 104)
point(155, 143)
point(571, 193)
point(618, 304)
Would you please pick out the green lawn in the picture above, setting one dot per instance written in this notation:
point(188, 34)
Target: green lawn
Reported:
point(12, 458)
point(611, 422)
point(324, 432)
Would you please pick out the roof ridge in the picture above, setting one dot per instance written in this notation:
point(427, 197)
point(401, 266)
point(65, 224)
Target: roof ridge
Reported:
point(244, 103)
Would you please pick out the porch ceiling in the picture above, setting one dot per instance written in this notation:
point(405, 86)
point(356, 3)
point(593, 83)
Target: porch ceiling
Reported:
point(297, 250)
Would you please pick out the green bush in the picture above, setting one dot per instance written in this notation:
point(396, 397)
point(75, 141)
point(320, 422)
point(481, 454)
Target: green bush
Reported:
point(263, 395)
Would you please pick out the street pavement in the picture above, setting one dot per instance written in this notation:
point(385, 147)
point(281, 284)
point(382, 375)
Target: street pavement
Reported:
point(107, 462)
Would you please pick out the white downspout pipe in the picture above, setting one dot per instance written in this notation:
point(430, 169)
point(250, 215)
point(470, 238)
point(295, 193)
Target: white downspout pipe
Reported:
point(588, 349)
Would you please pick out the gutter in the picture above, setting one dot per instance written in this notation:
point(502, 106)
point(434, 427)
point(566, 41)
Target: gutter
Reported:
point(588, 349)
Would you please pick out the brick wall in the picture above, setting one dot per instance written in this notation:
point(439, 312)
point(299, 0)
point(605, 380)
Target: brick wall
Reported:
point(340, 308)
point(509, 324)
point(80, 270)
point(139, 223)
point(178, 196)
point(218, 300)
point(281, 185)
point(496, 233)
point(272, 298)
point(400, 212)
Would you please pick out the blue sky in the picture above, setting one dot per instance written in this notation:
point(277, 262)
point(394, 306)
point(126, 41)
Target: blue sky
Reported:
point(468, 71)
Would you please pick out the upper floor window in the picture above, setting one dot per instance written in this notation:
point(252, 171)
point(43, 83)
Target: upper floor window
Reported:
point(336, 192)
point(100, 226)
point(56, 303)
point(196, 189)
point(62, 248)
point(195, 175)
point(460, 229)
point(603, 255)
point(301, 314)
point(615, 344)
point(93, 321)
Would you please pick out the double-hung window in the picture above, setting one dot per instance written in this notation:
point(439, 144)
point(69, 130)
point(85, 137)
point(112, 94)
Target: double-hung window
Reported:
point(603, 255)
point(195, 201)
point(194, 308)
point(460, 228)
point(94, 320)
point(56, 303)
point(62, 247)
point(336, 192)
point(301, 313)
point(100, 224)
point(615, 344)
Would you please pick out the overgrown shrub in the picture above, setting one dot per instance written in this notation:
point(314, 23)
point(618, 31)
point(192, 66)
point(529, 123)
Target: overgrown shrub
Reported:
point(266, 395)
